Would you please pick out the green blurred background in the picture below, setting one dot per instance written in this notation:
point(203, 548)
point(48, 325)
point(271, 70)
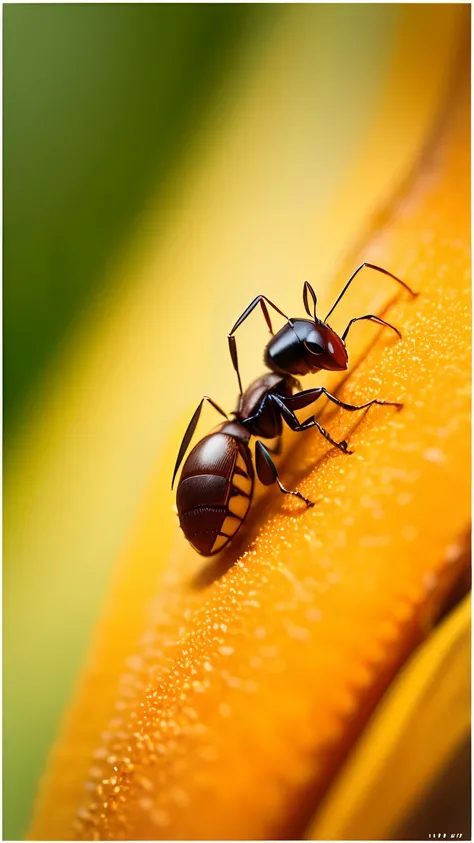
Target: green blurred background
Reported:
point(100, 103)
point(105, 108)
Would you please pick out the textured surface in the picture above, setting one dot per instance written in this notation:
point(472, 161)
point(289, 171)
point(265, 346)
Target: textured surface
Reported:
point(270, 196)
point(255, 672)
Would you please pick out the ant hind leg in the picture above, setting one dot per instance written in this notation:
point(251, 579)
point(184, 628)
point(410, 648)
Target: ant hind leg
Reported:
point(267, 472)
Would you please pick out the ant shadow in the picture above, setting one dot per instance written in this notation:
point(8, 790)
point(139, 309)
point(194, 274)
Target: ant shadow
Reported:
point(268, 506)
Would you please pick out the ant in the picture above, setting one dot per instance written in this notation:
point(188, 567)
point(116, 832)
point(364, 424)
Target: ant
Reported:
point(216, 485)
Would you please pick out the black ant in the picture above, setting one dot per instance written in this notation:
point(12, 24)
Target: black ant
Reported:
point(216, 484)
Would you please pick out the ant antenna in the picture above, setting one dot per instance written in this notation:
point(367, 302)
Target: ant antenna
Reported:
point(377, 269)
point(307, 288)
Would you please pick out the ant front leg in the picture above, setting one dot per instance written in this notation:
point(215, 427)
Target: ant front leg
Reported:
point(267, 472)
point(259, 300)
point(370, 318)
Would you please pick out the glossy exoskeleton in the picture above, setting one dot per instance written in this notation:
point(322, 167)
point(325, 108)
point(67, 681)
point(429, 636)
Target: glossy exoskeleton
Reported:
point(216, 485)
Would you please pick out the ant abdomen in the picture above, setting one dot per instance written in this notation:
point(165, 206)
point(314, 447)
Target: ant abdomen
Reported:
point(215, 491)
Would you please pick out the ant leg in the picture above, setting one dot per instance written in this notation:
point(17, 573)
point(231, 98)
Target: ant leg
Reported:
point(370, 317)
point(293, 423)
point(377, 269)
point(352, 407)
point(303, 399)
point(231, 339)
point(190, 431)
point(311, 422)
point(267, 472)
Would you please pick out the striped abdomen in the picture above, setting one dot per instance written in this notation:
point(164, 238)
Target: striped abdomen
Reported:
point(215, 491)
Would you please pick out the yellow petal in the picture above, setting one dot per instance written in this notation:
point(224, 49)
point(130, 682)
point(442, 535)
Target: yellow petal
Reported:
point(419, 725)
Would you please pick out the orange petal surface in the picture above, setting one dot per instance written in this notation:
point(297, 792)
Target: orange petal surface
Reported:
point(256, 672)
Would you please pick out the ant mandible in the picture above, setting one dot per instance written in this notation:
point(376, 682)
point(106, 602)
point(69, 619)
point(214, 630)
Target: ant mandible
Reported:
point(215, 489)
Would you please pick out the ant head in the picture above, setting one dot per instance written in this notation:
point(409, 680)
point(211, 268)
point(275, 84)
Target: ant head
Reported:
point(326, 349)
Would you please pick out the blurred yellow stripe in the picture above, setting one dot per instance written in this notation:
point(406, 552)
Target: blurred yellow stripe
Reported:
point(424, 718)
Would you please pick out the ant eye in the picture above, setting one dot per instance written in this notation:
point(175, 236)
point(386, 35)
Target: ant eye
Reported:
point(313, 347)
point(314, 343)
